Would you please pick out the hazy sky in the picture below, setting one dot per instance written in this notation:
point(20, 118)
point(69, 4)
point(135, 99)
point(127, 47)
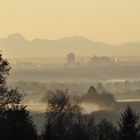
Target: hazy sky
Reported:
point(110, 21)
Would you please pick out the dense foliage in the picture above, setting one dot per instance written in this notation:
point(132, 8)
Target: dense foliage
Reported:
point(15, 120)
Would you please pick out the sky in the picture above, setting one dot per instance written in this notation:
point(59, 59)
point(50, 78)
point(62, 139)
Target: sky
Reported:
point(109, 21)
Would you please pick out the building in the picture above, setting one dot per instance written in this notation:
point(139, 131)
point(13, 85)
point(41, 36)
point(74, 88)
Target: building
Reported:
point(71, 59)
point(101, 61)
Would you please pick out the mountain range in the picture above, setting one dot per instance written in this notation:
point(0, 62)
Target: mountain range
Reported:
point(16, 46)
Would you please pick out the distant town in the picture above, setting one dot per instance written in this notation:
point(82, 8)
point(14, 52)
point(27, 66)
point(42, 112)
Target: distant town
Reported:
point(71, 60)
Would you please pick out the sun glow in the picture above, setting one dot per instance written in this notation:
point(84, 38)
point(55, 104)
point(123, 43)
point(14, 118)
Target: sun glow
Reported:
point(88, 107)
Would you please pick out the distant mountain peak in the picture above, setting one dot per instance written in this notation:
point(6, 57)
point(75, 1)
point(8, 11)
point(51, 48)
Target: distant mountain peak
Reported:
point(74, 38)
point(15, 36)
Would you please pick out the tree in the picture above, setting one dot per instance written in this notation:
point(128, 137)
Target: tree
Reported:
point(64, 120)
point(15, 121)
point(128, 125)
point(89, 127)
point(100, 88)
point(92, 91)
point(62, 113)
point(8, 96)
point(106, 130)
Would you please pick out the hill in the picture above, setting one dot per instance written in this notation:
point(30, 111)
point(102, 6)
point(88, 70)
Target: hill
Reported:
point(15, 45)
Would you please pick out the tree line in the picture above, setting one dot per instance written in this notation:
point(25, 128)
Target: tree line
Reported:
point(63, 120)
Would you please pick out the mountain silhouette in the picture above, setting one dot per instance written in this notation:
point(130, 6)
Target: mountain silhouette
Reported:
point(15, 45)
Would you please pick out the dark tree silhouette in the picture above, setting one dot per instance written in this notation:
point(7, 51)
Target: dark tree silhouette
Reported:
point(62, 117)
point(79, 130)
point(85, 129)
point(15, 121)
point(8, 96)
point(64, 120)
point(92, 91)
point(128, 125)
point(106, 130)
point(100, 88)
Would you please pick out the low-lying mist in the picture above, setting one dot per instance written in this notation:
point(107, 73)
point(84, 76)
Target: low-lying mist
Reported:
point(108, 96)
point(93, 100)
